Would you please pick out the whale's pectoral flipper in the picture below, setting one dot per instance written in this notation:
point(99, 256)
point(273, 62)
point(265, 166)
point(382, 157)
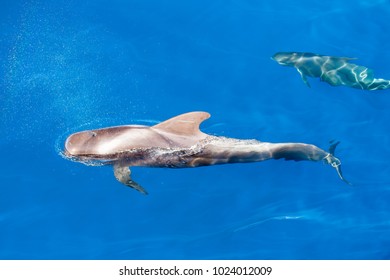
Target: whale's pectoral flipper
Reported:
point(334, 161)
point(304, 78)
point(122, 174)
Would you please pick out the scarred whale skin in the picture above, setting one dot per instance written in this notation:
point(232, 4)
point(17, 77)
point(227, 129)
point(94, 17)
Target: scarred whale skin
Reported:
point(178, 143)
point(336, 71)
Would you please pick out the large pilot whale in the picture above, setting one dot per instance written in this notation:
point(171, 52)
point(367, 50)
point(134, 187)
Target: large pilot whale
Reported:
point(179, 143)
point(336, 71)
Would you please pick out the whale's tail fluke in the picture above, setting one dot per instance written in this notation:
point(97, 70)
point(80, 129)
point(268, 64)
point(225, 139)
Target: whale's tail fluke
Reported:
point(334, 161)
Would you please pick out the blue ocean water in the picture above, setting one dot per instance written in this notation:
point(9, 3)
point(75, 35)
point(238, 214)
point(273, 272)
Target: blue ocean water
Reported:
point(72, 65)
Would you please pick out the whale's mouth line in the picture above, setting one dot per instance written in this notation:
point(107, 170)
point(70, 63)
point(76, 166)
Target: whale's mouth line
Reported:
point(67, 155)
point(87, 159)
point(84, 159)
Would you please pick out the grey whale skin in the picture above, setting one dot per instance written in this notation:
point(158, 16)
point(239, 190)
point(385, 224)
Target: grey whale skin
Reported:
point(178, 143)
point(336, 71)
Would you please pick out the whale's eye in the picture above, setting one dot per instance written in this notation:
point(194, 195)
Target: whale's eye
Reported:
point(93, 134)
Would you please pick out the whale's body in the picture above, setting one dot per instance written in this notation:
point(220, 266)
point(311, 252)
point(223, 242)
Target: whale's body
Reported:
point(178, 143)
point(336, 71)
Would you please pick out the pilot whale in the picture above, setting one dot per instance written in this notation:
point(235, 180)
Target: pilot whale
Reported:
point(179, 143)
point(336, 71)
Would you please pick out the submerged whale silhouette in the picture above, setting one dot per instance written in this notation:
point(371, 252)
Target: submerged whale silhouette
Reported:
point(336, 71)
point(178, 143)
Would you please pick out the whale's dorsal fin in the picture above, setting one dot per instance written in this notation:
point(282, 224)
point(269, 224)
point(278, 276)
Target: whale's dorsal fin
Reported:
point(343, 58)
point(185, 124)
point(349, 58)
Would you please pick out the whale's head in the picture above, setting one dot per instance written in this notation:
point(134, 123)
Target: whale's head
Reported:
point(106, 143)
point(83, 143)
point(95, 143)
point(286, 58)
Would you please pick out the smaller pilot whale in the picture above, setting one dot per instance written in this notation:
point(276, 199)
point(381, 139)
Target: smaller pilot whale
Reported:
point(336, 71)
point(178, 143)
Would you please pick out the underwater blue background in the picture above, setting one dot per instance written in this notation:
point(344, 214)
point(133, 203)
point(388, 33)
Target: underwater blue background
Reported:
point(72, 65)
